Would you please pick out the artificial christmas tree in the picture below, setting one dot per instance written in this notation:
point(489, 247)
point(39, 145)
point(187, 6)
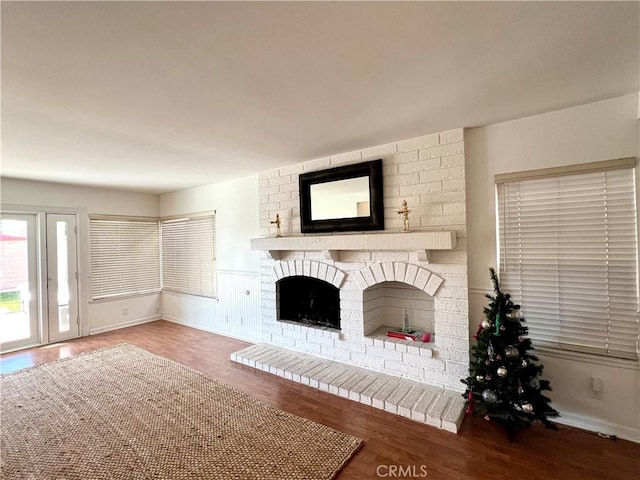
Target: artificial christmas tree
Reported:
point(503, 383)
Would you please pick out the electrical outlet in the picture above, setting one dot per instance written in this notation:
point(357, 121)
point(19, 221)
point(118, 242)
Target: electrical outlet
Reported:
point(595, 388)
point(125, 311)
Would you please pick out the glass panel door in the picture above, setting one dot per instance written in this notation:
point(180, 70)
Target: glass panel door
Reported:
point(62, 277)
point(18, 282)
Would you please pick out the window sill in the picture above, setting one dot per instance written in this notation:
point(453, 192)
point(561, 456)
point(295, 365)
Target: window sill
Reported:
point(587, 358)
point(183, 294)
point(123, 297)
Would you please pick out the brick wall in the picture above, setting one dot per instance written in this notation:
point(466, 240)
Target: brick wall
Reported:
point(428, 172)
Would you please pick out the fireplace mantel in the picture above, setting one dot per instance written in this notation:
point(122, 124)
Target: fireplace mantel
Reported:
point(332, 245)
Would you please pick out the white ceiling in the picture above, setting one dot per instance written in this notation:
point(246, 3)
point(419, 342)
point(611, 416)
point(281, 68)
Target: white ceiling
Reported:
point(160, 96)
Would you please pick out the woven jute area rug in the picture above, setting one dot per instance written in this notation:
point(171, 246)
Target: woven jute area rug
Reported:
point(124, 413)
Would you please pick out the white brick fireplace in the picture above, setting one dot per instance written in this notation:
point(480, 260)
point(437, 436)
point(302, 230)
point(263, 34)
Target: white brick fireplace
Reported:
point(380, 274)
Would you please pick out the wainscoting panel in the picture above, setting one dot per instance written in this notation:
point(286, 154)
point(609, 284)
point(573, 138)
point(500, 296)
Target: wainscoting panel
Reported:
point(236, 311)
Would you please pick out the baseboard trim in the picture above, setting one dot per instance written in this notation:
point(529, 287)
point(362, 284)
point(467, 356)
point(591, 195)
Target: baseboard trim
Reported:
point(598, 426)
point(130, 323)
point(170, 318)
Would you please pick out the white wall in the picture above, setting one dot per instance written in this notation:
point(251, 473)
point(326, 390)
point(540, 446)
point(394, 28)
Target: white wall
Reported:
point(236, 311)
point(95, 317)
point(598, 131)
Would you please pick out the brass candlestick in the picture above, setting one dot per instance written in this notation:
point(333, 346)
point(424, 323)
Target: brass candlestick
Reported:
point(404, 212)
point(277, 223)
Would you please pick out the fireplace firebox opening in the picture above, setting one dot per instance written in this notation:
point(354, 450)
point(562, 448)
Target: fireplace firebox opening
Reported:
point(308, 301)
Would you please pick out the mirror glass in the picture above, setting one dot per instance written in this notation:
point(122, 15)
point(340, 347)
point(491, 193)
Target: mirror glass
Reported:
point(347, 198)
point(341, 199)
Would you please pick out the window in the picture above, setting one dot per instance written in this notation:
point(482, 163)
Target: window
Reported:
point(188, 255)
point(569, 254)
point(125, 256)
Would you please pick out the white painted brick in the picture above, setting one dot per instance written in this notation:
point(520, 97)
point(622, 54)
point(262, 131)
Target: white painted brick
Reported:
point(436, 412)
point(432, 364)
point(389, 354)
point(347, 157)
point(404, 157)
point(442, 197)
point(379, 151)
point(453, 416)
point(338, 279)
point(318, 164)
point(337, 354)
point(405, 406)
point(411, 178)
point(457, 369)
point(360, 386)
point(404, 369)
point(291, 169)
point(452, 161)
point(322, 271)
point(432, 286)
point(410, 276)
point(367, 361)
point(450, 305)
point(400, 271)
point(277, 271)
point(413, 348)
point(378, 275)
point(424, 188)
point(306, 268)
point(331, 273)
point(454, 208)
point(286, 272)
point(421, 279)
point(403, 345)
point(455, 343)
point(423, 167)
point(367, 395)
point(378, 400)
point(334, 386)
point(387, 269)
point(286, 341)
point(442, 150)
point(427, 352)
point(452, 330)
point(367, 274)
point(357, 347)
point(314, 269)
point(306, 346)
point(265, 192)
point(458, 356)
point(452, 136)
point(454, 184)
point(279, 180)
point(444, 174)
point(296, 335)
point(268, 174)
point(320, 340)
point(419, 142)
point(392, 401)
point(293, 205)
point(389, 167)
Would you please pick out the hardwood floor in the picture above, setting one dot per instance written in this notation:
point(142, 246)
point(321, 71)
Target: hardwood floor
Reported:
point(480, 451)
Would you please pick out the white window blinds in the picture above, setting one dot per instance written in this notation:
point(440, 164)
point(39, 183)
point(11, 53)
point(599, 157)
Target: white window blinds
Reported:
point(568, 253)
point(125, 257)
point(188, 255)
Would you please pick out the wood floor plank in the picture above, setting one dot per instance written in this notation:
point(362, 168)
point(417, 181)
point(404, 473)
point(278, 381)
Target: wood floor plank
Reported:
point(480, 451)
